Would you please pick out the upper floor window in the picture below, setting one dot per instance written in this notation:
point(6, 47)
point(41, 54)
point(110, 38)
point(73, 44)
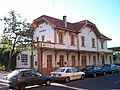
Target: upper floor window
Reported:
point(102, 44)
point(60, 37)
point(83, 41)
point(93, 43)
point(72, 40)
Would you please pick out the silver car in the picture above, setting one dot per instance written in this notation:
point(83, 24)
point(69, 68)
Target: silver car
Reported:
point(67, 74)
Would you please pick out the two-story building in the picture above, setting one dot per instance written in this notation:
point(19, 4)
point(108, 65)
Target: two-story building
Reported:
point(60, 43)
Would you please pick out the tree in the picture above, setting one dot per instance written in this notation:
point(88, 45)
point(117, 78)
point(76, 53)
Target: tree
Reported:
point(4, 54)
point(15, 34)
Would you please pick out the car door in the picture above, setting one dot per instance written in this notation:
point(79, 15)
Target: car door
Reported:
point(69, 73)
point(27, 78)
point(98, 70)
point(37, 77)
point(76, 73)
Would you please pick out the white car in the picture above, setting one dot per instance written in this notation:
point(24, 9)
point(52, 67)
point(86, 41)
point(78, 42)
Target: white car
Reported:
point(67, 74)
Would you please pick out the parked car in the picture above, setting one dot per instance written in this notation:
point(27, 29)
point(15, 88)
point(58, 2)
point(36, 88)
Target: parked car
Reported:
point(19, 79)
point(110, 68)
point(67, 73)
point(93, 70)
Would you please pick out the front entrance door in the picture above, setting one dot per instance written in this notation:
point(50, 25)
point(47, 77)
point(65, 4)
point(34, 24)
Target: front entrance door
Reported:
point(103, 61)
point(73, 61)
point(49, 63)
point(61, 60)
point(94, 60)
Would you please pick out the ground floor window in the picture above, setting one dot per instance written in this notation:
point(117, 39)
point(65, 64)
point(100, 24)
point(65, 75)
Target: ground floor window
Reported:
point(24, 59)
point(83, 60)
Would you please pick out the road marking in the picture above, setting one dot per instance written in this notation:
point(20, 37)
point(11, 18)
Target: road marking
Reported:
point(74, 88)
point(116, 82)
point(28, 87)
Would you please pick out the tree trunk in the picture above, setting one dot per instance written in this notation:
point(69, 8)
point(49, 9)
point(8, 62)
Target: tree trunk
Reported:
point(9, 63)
point(11, 55)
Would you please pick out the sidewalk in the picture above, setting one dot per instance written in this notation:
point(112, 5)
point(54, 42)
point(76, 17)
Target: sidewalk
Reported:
point(3, 81)
point(4, 86)
point(3, 76)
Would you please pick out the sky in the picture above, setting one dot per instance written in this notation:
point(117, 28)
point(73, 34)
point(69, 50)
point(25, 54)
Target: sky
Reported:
point(104, 13)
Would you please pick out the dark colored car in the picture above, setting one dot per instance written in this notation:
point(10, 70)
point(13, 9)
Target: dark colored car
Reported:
point(110, 68)
point(19, 79)
point(93, 71)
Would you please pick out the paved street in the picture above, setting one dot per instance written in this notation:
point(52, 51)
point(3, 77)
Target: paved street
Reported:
point(109, 82)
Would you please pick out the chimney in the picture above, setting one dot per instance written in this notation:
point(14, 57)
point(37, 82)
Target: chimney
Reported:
point(65, 21)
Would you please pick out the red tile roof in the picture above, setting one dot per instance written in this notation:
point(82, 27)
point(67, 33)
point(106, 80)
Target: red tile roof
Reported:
point(56, 22)
point(74, 27)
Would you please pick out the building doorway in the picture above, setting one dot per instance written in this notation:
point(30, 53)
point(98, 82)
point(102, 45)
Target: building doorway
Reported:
point(73, 61)
point(94, 60)
point(83, 60)
point(49, 63)
point(103, 61)
point(61, 60)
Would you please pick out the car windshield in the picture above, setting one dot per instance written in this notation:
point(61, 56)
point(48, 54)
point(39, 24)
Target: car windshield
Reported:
point(60, 70)
point(107, 66)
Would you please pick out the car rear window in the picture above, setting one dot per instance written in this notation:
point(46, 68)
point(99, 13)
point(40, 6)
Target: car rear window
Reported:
point(107, 66)
point(89, 68)
point(14, 73)
point(60, 70)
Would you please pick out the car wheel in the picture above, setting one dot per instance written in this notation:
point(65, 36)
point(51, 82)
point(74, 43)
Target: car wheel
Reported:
point(14, 89)
point(118, 71)
point(21, 86)
point(48, 82)
point(104, 73)
point(11, 87)
point(67, 79)
point(94, 75)
point(82, 77)
point(112, 72)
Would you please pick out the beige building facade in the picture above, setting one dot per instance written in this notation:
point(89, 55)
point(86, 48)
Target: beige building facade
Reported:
point(60, 43)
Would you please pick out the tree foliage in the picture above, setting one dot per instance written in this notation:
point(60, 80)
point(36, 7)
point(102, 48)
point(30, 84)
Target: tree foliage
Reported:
point(17, 35)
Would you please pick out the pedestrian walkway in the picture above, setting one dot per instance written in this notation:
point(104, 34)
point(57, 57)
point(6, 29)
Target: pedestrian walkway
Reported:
point(3, 80)
point(3, 76)
point(4, 86)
